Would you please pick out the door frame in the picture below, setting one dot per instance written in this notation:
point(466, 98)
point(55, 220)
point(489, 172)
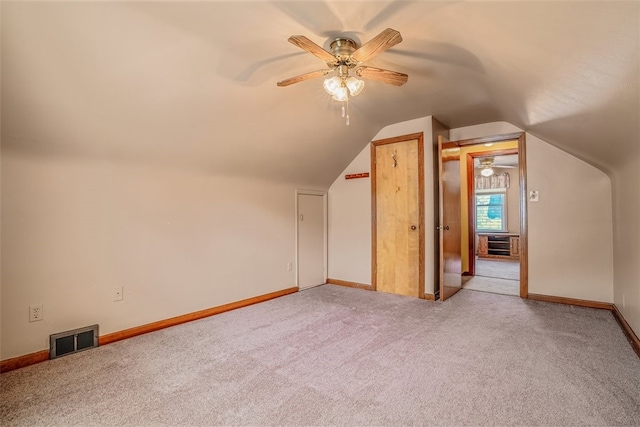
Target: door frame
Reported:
point(522, 181)
point(325, 238)
point(374, 241)
point(471, 193)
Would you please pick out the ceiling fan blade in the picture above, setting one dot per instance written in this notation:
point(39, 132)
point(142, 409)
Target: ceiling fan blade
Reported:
point(384, 76)
point(383, 41)
point(303, 77)
point(305, 44)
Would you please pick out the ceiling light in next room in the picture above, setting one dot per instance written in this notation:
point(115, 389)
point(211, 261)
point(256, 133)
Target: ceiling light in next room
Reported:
point(486, 172)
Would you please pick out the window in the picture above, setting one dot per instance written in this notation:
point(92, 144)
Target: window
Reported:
point(491, 210)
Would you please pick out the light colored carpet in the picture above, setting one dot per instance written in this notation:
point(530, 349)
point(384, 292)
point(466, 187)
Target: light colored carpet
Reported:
point(493, 285)
point(339, 356)
point(501, 269)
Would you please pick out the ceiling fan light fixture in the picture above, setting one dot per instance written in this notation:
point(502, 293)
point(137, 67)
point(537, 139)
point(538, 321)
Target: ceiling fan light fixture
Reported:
point(486, 172)
point(354, 85)
point(345, 57)
point(332, 85)
point(341, 94)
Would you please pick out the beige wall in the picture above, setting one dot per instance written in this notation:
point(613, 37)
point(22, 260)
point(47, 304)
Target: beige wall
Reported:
point(177, 242)
point(570, 228)
point(626, 208)
point(350, 223)
point(350, 211)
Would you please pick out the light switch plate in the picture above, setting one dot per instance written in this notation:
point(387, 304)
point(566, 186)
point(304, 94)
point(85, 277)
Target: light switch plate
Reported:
point(534, 196)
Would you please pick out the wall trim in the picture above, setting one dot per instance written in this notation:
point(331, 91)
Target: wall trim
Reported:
point(633, 339)
point(626, 328)
point(22, 361)
point(350, 284)
point(43, 355)
point(571, 301)
point(428, 297)
point(196, 315)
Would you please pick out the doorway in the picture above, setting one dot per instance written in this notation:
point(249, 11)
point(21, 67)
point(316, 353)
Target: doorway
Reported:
point(397, 197)
point(311, 238)
point(494, 214)
point(494, 226)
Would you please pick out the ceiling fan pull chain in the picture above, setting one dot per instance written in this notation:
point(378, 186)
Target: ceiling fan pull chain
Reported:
point(343, 111)
point(347, 102)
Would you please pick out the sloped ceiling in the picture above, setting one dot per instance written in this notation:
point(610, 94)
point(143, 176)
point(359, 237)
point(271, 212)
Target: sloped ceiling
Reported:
point(193, 85)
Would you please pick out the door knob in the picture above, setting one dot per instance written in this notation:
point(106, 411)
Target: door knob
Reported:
point(413, 227)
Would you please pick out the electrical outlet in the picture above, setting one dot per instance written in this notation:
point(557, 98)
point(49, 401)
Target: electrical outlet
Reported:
point(289, 266)
point(35, 313)
point(118, 294)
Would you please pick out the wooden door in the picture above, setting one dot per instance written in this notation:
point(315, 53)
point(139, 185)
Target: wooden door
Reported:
point(398, 205)
point(311, 238)
point(450, 264)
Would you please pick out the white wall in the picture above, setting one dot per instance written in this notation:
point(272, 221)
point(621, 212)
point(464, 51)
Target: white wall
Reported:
point(570, 228)
point(626, 208)
point(350, 211)
point(177, 242)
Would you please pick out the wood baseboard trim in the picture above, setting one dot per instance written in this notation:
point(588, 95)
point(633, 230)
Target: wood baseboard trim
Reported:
point(428, 297)
point(571, 301)
point(349, 284)
point(189, 317)
point(626, 328)
point(42, 356)
point(22, 361)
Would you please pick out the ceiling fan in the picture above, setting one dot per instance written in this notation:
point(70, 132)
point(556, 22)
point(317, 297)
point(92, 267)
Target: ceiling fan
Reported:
point(487, 164)
point(345, 61)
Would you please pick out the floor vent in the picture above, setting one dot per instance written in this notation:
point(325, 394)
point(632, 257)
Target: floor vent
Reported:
point(73, 341)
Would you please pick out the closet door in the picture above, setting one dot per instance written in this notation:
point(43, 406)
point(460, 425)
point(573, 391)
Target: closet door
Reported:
point(398, 204)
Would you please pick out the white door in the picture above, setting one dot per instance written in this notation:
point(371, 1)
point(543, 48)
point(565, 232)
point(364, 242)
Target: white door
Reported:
point(311, 240)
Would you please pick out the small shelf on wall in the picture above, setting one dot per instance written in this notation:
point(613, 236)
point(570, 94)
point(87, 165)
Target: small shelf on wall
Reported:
point(498, 245)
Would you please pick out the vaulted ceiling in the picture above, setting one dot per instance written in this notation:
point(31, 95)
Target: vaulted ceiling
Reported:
point(193, 84)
